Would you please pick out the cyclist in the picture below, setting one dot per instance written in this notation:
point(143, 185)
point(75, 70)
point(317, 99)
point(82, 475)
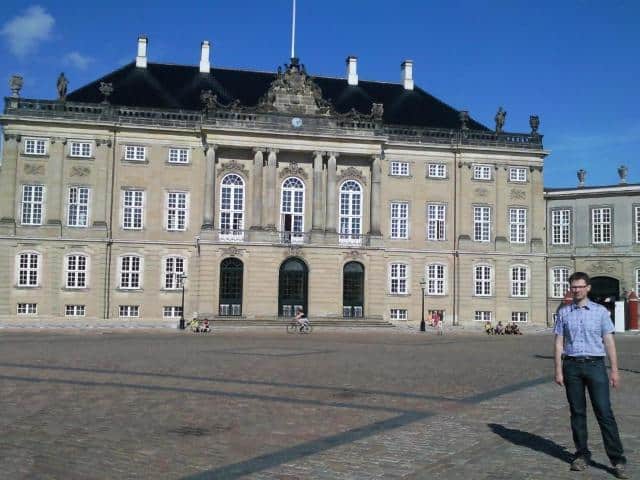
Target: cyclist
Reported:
point(301, 318)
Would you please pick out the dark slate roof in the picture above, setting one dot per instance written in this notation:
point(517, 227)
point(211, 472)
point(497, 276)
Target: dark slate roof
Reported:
point(179, 86)
point(590, 187)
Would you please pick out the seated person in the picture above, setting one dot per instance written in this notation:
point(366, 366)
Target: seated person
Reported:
point(204, 326)
point(508, 330)
point(488, 328)
point(301, 318)
point(515, 329)
point(499, 330)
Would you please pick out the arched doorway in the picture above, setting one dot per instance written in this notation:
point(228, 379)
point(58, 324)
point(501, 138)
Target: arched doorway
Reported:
point(292, 287)
point(353, 290)
point(605, 291)
point(230, 302)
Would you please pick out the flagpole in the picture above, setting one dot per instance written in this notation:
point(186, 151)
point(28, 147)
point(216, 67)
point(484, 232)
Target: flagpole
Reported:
point(293, 31)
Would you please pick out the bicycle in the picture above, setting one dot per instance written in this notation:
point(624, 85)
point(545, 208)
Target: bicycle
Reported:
point(294, 326)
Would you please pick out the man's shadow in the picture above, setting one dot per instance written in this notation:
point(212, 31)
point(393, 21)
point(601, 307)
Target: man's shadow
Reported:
point(538, 443)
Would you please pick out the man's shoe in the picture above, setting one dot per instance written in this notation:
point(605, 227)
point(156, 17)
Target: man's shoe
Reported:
point(619, 471)
point(579, 464)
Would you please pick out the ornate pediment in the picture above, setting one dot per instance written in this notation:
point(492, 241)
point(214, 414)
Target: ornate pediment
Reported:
point(233, 166)
point(293, 170)
point(353, 174)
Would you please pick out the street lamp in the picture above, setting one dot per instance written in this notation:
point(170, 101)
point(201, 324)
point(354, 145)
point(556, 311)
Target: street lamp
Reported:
point(423, 327)
point(181, 278)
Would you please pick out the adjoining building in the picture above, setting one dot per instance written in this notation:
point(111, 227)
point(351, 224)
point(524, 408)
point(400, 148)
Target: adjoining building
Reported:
point(255, 193)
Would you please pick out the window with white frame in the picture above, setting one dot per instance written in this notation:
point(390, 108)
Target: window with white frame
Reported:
point(436, 279)
point(232, 205)
point(398, 279)
point(130, 271)
point(136, 153)
point(28, 269)
point(436, 221)
point(519, 281)
point(399, 220)
point(128, 311)
point(518, 225)
point(35, 146)
point(482, 172)
point(76, 271)
point(482, 280)
point(80, 149)
point(400, 169)
point(27, 309)
point(517, 174)
point(561, 226)
point(179, 155)
point(78, 207)
point(132, 209)
point(350, 211)
point(32, 204)
point(483, 316)
point(520, 317)
point(638, 281)
point(174, 271)
point(177, 211)
point(481, 224)
point(437, 170)
point(172, 311)
point(398, 314)
point(74, 310)
point(292, 208)
point(637, 223)
point(559, 281)
point(601, 225)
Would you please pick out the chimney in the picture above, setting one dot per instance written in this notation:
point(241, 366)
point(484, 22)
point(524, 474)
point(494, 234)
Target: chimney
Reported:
point(407, 74)
point(141, 59)
point(352, 70)
point(205, 65)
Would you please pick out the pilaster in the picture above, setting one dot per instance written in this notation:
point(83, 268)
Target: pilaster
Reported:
point(269, 209)
point(8, 180)
point(55, 186)
point(256, 214)
point(330, 221)
point(316, 214)
point(209, 207)
point(376, 175)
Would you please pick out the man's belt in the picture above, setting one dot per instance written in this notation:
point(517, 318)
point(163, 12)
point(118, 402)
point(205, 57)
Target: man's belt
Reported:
point(583, 359)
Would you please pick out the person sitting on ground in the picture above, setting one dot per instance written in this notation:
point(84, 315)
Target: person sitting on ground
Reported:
point(488, 328)
point(301, 318)
point(204, 327)
point(499, 330)
point(508, 330)
point(515, 329)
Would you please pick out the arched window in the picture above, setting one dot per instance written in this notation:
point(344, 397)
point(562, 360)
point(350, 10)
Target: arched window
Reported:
point(483, 280)
point(175, 269)
point(292, 209)
point(559, 281)
point(519, 281)
point(232, 207)
point(76, 270)
point(350, 213)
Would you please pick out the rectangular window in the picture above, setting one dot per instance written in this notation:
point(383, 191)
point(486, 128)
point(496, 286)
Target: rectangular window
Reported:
point(519, 317)
point(398, 279)
point(481, 224)
point(135, 153)
point(177, 211)
point(27, 309)
point(78, 207)
point(519, 281)
point(517, 174)
point(436, 221)
point(399, 314)
point(129, 311)
point(80, 149)
point(561, 227)
point(130, 270)
point(28, 270)
point(638, 281)
point(518, 225)
point(172, 311)
point(482, 280)
point(74, 310)
point(482, 172)
point(400, 168)
point(132, 209)
point(35, 146)
point(637, 223)
point(559, 281)
point(483, 316)
point(601, 225)
point(437, 170)
point(399, 220)
point(173, 272)
point(32, 204)
point(76, 271)
point(178, 155)
point(436, 279)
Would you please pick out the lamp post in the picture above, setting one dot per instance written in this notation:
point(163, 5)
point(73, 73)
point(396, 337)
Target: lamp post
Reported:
point(181, 278)
point(423, 284)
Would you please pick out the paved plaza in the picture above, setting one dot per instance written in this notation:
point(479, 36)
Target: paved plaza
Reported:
point(261, 404)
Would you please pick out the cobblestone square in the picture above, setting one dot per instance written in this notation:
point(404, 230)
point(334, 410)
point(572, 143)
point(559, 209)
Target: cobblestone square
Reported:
point(261, 404)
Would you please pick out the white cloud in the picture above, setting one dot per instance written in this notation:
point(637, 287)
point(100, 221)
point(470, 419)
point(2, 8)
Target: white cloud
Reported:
point(77, 60)
point(25, 31)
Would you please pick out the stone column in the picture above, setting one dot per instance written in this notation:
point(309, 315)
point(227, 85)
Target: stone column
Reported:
point(376, 174)
point(256, 214)
point(316, 214)
point(55, 188)
point(103, 157)
point(8, 170)
point(331, 193)
point(269, 208)
point(208, 221)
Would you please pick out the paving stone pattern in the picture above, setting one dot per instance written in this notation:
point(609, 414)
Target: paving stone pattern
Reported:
point(258, 404)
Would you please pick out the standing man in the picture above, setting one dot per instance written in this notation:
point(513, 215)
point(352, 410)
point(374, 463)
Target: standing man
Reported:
point(583, 332)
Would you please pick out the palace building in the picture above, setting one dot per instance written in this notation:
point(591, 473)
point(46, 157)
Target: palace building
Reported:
point(253, 193)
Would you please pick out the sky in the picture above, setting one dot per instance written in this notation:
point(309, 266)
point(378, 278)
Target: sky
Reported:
point(572, 63)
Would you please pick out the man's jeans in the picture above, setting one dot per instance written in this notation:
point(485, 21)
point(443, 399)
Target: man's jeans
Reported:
point(593, 376)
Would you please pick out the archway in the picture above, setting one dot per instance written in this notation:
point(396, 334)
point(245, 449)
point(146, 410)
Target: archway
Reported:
point(292, 287)
point(605, 291)
point(353, 290)
point(231, 273)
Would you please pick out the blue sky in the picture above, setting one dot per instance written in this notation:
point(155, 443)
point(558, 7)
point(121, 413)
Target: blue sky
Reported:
point(573, 63)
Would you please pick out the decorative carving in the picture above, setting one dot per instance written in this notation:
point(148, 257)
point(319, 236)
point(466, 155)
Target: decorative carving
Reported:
point(106, 142)
point(464, 119)
point(12, 136)
point(481, 192)
point(233, 166)
point(517, 194)
point(62, 85)
point(294, 251)
point(377, 111)
point(31, 169)
point(353, 254)
point(106, 89)
point(80, 171)
point(210, 102)
point(231, 251)
point(293, 170)
point(15, 84)
point(602, 266)
point(352, 173)
point(534, 123)
point(500, 117)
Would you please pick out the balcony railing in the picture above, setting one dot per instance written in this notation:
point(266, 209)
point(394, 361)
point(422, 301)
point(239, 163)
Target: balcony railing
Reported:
point(231, 235)
point(294, 238)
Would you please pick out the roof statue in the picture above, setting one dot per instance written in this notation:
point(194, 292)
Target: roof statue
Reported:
point(15, 84)
point(534, 123)
point(464, 119)
point(622, 173)
point(582, 174)
point(62, 85)
point(500, 118)
point(106, 89)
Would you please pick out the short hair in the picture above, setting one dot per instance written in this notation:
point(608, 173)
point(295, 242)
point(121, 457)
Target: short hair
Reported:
point(579, 276)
